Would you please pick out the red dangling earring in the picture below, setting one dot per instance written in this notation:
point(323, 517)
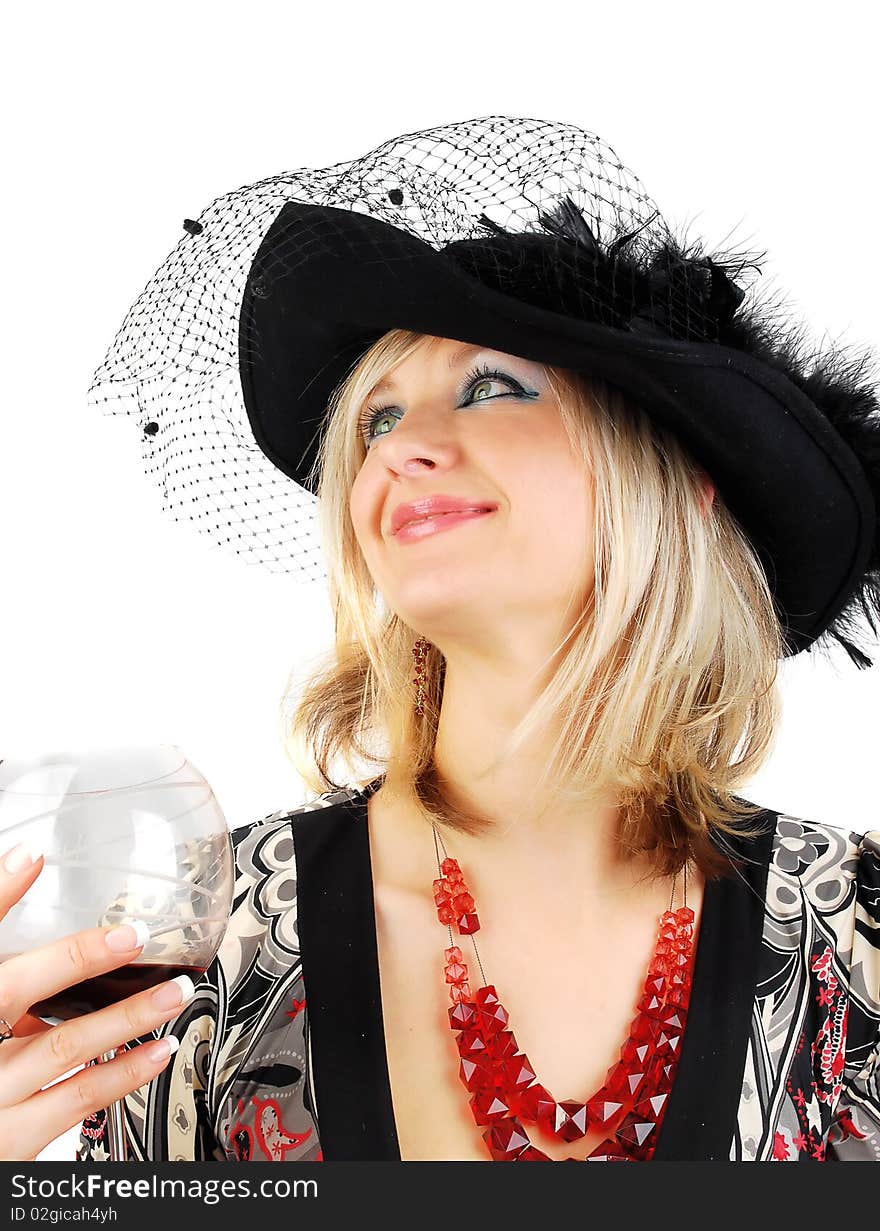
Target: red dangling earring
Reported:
point(420, 649)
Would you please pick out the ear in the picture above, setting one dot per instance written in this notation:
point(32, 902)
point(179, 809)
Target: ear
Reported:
point(708, 496)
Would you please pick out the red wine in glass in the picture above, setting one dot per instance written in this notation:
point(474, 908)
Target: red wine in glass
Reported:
point(114, 985)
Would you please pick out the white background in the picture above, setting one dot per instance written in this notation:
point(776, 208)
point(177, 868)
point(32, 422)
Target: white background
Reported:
point(120, 625)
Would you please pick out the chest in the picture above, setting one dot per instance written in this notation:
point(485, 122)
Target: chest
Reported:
point(571, 999)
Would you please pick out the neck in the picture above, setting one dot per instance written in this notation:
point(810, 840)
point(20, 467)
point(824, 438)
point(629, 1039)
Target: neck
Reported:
point(559, 848)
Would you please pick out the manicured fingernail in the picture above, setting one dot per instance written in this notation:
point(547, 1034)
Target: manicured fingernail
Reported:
point(162, 1048)
point(24, 855)
point(127, 936)
point(174, 993)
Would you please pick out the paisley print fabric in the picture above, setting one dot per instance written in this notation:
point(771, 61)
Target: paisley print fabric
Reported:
point(795, 1075)
point(812, 1087)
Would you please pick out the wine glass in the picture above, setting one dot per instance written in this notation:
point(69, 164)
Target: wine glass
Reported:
point(126, 833)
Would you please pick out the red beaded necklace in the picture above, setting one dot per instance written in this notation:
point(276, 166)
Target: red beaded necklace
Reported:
point(504, 1091)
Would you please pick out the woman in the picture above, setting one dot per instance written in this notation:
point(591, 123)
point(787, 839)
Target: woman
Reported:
point(461, 960)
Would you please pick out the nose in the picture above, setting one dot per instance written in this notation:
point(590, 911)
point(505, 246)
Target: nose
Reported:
point(417, 440)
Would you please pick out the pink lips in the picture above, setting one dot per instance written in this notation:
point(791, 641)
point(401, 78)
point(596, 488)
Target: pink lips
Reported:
point(436, 502)
point(437, 523)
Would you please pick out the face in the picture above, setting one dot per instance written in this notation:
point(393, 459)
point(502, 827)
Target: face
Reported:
point(482, 426)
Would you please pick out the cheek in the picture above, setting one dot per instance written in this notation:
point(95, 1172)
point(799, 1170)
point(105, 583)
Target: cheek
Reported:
point(555, 515)
point(365, 513)
point(361, 508)
point(556, 491)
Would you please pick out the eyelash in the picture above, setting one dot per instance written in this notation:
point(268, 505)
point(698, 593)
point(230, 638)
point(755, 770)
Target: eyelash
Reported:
point(474, 377)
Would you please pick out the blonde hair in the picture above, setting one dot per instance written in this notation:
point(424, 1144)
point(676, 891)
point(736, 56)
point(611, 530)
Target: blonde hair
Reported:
point(663, 690)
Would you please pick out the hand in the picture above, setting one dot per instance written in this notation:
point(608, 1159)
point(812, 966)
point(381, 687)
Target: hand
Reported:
point(31, 1117)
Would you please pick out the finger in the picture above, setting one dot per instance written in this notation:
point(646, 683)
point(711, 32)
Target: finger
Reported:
point(19, 868)
point(27, 978)
point(46, 1057)
point(28, 1128)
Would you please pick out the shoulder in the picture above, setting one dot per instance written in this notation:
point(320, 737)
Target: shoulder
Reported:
point(264, 914)
point(274, 820)
point(822, 868)
point(251, 843)
point(823, 910)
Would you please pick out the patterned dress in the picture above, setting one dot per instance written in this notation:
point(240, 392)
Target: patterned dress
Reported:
point(282, 1048)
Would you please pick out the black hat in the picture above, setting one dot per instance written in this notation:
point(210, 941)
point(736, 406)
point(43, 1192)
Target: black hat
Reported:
point(530, 238)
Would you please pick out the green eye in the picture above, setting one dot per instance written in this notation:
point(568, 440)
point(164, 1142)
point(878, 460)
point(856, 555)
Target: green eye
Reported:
point(481, 378)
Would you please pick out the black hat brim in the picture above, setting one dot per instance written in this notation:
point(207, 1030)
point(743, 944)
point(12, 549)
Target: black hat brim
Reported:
point(326, 283)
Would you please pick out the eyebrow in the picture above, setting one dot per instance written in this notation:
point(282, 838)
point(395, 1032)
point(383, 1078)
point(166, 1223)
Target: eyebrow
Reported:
point(455, 358)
